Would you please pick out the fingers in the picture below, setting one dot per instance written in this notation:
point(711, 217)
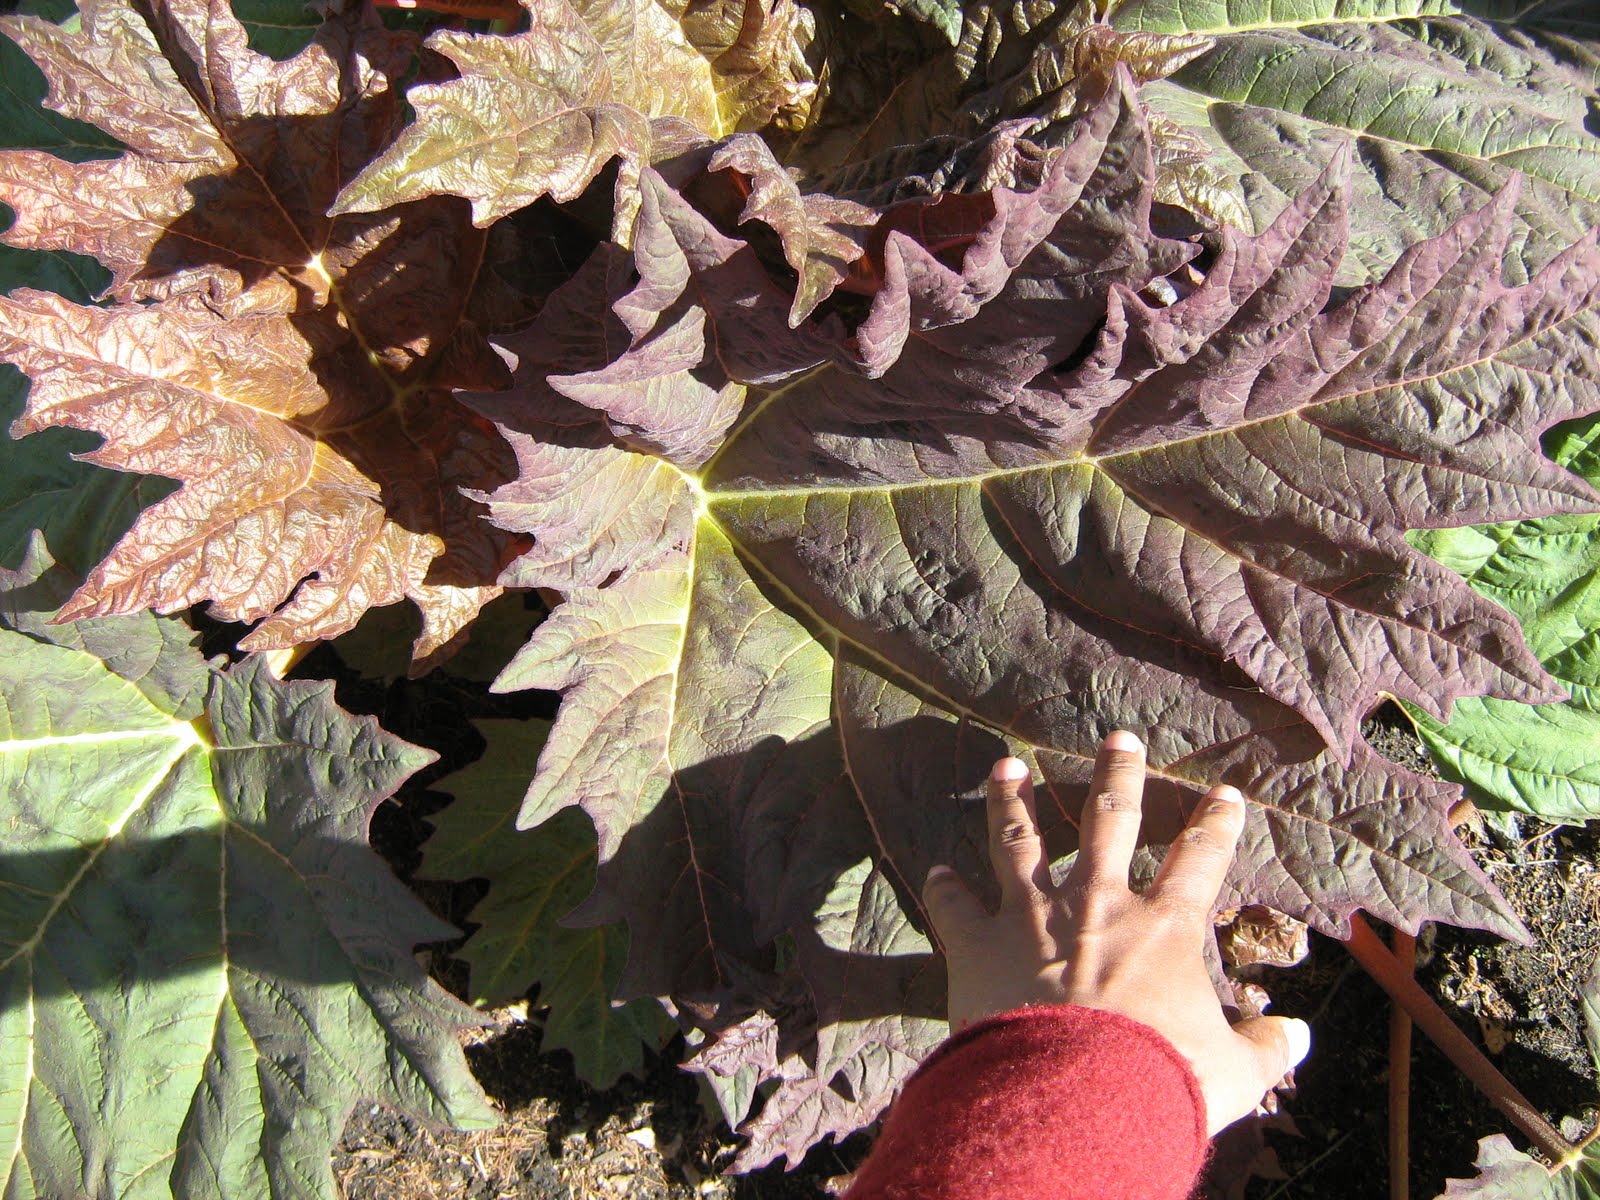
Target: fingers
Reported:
point(1192, 873)
point(1015, 848)
point(1275, 1046)
point(951, 906)
point(1108, 831)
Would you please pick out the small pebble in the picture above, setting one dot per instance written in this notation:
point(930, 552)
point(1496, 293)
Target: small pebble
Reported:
point(646, 1137)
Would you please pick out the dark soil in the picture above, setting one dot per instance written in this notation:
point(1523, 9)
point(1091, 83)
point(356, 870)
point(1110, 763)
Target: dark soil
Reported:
point(649, 1139)
point(654, 1138)
point(1518, 1003)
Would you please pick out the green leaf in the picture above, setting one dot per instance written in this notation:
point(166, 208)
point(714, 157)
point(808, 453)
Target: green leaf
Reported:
point(277, 28)
point(81, 509)
point(156, 655)
point(536, 878)
point(1537, 759)
point(62, 12)
point(1443, 100)
point(202, 965)
point(943, 15)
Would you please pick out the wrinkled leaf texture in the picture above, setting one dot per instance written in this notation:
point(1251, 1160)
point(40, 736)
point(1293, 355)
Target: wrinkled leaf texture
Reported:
point(1442, 100)
point(204, 966)
point(544, 111)
point(81, 509)
point(978, 523)
point(293, 371)
point(817, 576)
point(1035, 64)
point(74, 503)
point(1013, 71)
point(1516, 757)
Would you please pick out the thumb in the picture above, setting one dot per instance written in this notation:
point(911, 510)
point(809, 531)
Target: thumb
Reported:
point(1272, 1046)
point(952, 908)
point(1277, 1045)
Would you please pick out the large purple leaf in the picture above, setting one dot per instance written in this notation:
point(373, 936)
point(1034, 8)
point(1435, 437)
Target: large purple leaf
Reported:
point(1231, 474)
point(979, 523)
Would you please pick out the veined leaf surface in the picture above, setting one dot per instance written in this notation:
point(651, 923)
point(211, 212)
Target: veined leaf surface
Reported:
point(286, 376)
point(979, 525)
point(1538, 759)
point(542, 112)
point(1443, 100)
point(535, 878)
point(204, 967)
point(82, 509)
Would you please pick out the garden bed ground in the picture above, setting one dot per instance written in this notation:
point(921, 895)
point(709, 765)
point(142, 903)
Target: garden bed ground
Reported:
point(652, 1139)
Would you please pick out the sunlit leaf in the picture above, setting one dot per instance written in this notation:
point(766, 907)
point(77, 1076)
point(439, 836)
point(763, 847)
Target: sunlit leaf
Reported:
point(981, 523)
point(204, 966)
point(299, 390)
point(1442, 103)
point(1537, 759)
point(543, 112)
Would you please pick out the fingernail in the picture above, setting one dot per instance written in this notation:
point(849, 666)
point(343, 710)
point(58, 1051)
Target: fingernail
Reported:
point(1008, 770)
point(1299, 1035)
point(1227, 792)
point(1121, 739)
point(938, 871)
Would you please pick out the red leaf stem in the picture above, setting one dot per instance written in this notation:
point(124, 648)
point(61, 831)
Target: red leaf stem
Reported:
point(1404, 948)
point(1393, 977)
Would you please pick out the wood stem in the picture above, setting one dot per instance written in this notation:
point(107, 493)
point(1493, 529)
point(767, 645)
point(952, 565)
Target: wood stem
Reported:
point(1367, 948)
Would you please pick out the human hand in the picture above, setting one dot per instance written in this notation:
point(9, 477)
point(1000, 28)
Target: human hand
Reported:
point(1095, 943)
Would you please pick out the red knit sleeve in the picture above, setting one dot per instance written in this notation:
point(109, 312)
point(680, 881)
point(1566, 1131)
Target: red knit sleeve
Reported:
point(1048, 1103)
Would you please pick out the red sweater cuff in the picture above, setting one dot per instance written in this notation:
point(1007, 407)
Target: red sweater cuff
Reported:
point(1047, 1103)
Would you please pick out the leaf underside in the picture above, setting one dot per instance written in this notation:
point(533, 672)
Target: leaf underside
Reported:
point(808, 602)
point(1506, 1173)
